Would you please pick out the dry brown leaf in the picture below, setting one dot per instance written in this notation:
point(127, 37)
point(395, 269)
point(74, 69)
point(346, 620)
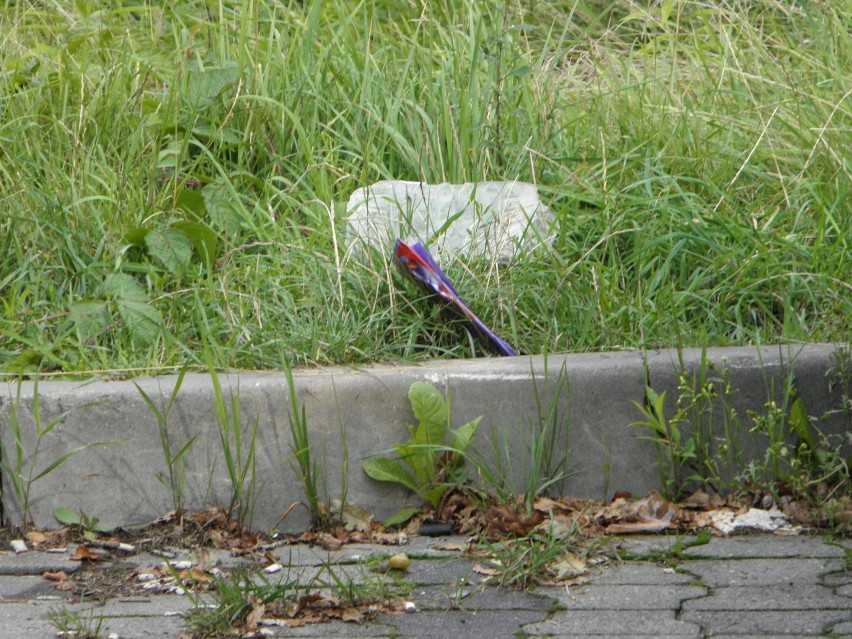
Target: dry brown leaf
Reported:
point(353, 615)
point(60, 575)
point(502, 518)
point(330, 543)
point(194, 575)
point(546, 505)
point(35, 537)
point(354, 517)
point(84, 554)
point(488, 571)
point(569, 566)
point(451, 546)
point(255, 615)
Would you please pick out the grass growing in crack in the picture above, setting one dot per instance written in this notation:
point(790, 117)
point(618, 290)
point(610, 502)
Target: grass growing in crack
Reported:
point(544, 464)
point(548, 553)
point(686, 184)
point(239, 452)
point(306, 466)
point(22, 467)
point(674, 553)
point(240, 599)
point(76, 624)
point(173, 454)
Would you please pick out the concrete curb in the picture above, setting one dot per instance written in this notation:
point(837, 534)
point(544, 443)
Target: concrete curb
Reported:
point(353, 413)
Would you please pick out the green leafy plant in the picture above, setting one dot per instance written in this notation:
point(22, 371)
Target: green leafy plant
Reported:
point(89, 526)
point(22, 468)
point(675, 450)
point(121, 297)
point(174, 454)
point(434, 457)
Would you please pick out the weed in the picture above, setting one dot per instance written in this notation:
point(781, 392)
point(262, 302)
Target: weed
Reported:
point(675, 450)
point(545, 462)
point(672, 553)
point(237, 595)
point(76, 625)
point(239, 454)
point(88, 526)
point(23, 469)
point(544, 554)
point(434, 457)
point(306, 469)
point(174, 457)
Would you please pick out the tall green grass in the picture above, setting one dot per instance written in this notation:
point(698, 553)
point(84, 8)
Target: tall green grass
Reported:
point(163, 163)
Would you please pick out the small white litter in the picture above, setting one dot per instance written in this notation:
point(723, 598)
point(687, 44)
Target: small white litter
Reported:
point(19, 546)
point(726, 521)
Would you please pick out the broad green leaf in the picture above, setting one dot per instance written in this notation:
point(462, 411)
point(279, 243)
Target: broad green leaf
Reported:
point(90, 318)
point(801, 423)
point(432, 414)
point(206, 83)
point(220, 204)
point(172, 247)
point(142, 320)
point(192, 202)
point(463, 435)
point(427, 404)
point(66, 516)
point(136, 236)
point(383, 469)
point(401, 517)
point(204, 240)
point(122, 286)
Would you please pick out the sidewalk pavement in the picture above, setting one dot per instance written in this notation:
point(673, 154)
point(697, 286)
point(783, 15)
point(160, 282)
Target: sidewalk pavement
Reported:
point(743, 586)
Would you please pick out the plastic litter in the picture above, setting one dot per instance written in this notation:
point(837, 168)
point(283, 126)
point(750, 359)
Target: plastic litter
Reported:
point(493, 219)
point(418, 263)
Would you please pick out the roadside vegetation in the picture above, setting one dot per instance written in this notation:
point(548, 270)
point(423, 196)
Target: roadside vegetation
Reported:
point(171, 173)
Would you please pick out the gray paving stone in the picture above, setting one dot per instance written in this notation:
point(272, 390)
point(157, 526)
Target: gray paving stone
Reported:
point(845, 590)
point(625, 598)
point(610, 622)
point(36, 563)
point(336, 630)
point(26, 620)
point(142, 627)
point(764, 636)
point(463, 624)
point(23, 588)
point(638, 573)
point(478, 598)
point(842, 628)
point(155, 606)
point(777, 597)
point(760, 572)
point(757, 546)
point(645, 544)
point(838, 578)
point(759, 622)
